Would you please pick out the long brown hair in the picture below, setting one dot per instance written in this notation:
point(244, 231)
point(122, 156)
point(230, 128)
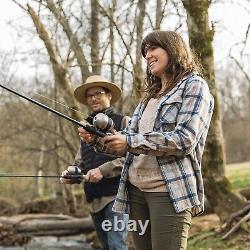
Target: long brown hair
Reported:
point(181, 61)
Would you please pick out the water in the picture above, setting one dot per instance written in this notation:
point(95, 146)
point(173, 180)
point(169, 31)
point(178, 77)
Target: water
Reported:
point(77, 242)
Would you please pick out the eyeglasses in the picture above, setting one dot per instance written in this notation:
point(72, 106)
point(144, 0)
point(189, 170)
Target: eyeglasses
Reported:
point(97, 94)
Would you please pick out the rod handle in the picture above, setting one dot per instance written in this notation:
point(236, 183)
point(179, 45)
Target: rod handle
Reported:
point(93, 130)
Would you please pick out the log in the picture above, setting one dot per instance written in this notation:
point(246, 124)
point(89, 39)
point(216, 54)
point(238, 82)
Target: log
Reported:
point(15, 219)
point(35, 226)
point(17, 229)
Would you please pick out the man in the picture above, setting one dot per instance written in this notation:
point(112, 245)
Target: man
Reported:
point(102, 172)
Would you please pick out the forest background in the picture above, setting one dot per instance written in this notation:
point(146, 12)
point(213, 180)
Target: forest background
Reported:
point(55, 45)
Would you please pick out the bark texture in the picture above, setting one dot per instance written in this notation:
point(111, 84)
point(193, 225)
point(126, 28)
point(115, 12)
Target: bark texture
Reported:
point(217, 186)
point(138, 71)
point(94, 37)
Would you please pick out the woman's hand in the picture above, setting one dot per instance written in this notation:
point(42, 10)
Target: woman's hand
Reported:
point(86, 136)
point(116, 143)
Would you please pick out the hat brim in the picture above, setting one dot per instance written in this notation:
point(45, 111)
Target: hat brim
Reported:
point(80, 92)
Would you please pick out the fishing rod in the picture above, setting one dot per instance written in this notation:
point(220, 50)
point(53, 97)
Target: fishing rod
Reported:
point(73, 173)
point(87, 127)
point(80, 177)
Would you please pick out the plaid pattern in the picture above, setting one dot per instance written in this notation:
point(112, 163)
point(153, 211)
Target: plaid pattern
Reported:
point(177, 140)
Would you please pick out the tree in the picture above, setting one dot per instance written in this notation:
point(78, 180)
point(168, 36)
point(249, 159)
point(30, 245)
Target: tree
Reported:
point(217, 186)
point(138, 71)
point(94, 35)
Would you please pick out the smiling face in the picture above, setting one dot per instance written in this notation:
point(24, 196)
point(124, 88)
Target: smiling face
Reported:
point(169, 59)
point(157, 61)
point(98, 98)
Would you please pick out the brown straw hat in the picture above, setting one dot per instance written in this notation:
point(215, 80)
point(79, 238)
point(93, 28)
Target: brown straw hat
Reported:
point(97, 81)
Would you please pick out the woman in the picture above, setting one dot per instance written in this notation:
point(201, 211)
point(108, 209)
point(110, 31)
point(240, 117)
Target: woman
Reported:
point(161, 180)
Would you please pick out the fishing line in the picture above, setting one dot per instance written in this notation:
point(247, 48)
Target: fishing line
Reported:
point(60, 103)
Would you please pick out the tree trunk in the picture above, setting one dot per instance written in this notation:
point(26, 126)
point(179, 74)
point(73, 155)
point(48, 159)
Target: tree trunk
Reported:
point(157, 15)
point(111, 40)
point(217, 186)
point(138, 72)
point(41, 170)
point(58, 189)
point(94, 37)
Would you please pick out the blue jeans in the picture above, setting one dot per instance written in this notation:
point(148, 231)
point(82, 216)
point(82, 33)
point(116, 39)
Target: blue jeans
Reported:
point(111, 237)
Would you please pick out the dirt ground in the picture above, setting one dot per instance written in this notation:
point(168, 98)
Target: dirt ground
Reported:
point(204, 223)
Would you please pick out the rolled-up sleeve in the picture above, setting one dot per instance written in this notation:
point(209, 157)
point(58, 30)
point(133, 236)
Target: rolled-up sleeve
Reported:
point(112, 168)
point(78, 161)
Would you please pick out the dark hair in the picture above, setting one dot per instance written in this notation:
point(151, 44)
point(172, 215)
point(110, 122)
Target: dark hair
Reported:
point(181, 61)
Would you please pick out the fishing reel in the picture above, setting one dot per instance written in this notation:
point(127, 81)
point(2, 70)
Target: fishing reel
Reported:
point(103, 123)
point(73, 174)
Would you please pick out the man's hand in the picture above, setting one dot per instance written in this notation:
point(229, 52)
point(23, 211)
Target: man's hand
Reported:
point(64, 180)
point(69, 172)
point(93, 175)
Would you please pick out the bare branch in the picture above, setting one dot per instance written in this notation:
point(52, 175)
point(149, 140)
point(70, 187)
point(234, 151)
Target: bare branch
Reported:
point(240, 67)
point(60, 71)
point(118, 31)
point(74, 43)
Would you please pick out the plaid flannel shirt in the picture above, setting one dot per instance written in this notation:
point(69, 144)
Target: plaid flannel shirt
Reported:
point(177, 140)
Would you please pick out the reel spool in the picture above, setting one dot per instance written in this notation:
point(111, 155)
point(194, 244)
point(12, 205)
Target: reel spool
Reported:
point(103, 122)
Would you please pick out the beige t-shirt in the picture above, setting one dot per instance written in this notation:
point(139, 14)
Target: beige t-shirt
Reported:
point(144, 171)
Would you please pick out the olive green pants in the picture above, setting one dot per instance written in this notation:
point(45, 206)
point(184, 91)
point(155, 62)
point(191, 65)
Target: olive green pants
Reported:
point(166, 230)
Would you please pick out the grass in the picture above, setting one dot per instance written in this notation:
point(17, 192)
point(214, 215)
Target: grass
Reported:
point(211, 240)
point(239, 175)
